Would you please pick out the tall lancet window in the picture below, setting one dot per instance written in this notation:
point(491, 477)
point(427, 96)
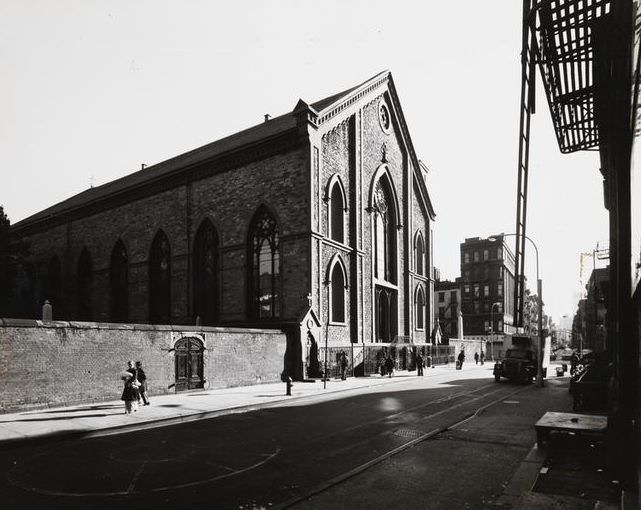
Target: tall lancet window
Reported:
point(384, 233)
point(420, 253)
point(384, 225)
point(264, 281)
point(337, 296)
point(420, 308)
point(53, 286)
point(205, 274)
point(337, 212)
point(119, 283)
point(160, 280)
point(84, 284)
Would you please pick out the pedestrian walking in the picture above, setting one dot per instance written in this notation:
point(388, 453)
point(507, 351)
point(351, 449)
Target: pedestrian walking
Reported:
point(461, 359)
point(389, 366)
point(142, 379)
point(476, 358)
point(130, 394)
point(420, 363)
point(344, 361)
point(482, 357)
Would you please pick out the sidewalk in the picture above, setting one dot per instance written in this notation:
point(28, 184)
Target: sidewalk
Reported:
point(105, 418)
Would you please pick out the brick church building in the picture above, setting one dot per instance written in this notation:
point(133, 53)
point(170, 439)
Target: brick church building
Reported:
point(317, 222)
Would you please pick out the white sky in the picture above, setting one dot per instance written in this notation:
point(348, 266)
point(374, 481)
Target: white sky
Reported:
point(92, 89)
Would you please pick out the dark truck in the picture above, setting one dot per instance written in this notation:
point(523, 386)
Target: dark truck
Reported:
point(519, 363)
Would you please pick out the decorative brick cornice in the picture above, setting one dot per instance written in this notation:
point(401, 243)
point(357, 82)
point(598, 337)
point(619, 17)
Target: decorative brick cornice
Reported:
point(351, 99)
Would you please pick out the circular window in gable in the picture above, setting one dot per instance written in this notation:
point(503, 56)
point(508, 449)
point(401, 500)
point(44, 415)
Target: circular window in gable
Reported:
point(384, 116)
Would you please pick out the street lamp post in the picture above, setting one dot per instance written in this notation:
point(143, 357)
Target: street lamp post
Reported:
point(327, 286)
point(539, 285)
point(498, 303)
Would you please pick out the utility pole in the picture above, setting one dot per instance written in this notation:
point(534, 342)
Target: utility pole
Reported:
point(539, 364)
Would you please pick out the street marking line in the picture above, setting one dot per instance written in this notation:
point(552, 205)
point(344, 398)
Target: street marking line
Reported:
point(137, 474)
point(46, 492)
point(377, 460)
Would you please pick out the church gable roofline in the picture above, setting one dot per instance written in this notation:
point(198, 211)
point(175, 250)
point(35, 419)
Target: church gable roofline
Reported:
point(324, 110)
point(174, 168)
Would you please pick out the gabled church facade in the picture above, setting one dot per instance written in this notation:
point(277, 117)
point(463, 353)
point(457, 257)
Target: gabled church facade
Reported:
point(318, 219)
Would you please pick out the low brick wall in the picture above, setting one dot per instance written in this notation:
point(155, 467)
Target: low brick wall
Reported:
point(61, 363)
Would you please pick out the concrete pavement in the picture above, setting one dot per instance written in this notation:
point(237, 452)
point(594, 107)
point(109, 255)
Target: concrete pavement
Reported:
point(104, 418)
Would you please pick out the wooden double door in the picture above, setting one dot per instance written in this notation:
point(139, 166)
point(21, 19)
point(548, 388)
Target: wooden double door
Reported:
point(189, 364)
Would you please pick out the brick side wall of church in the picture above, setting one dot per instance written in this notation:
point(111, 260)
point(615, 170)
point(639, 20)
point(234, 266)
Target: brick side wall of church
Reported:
point(63, 363)
point(229, 199)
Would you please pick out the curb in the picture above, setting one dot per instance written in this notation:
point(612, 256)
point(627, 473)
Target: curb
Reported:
point(524, 478)
point(184, 418)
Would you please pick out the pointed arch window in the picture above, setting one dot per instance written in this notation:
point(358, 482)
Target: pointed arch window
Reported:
point(384, 233)
point(53, 285)
point(160, 280)
point(119, 283)
point(84, 283)
point(205, 273)
point(383, 207)
point(337, 295)
point(264, 280)
point(420, 308)
point(337, 212)
point(385, 314)
point(420, 253)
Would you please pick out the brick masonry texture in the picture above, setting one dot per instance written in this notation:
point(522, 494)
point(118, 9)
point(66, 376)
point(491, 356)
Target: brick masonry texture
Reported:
point(350, 143)
point(65, 363)
point(228, 199)
point(335, 160)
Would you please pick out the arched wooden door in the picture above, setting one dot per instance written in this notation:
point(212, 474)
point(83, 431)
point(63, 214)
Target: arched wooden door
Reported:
point(189, 364)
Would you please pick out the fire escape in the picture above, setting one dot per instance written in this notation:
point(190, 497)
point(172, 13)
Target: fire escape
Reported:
point(558, 35)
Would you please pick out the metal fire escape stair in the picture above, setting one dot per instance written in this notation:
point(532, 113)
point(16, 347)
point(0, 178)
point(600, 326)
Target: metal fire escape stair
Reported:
point(527, 106)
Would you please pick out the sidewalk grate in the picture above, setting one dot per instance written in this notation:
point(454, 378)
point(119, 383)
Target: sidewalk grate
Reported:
point(408, 433)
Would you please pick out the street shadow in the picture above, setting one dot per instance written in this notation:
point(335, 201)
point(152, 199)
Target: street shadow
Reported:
point(56, 418)
point(81, 409)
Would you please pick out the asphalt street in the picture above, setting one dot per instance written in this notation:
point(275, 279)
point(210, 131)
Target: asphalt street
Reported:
point(436, 442)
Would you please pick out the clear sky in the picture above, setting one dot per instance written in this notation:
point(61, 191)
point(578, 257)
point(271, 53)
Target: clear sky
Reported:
point(91, 89)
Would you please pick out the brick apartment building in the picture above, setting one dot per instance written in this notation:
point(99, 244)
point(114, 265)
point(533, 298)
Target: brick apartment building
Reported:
point(487, 286)
point(318, 220)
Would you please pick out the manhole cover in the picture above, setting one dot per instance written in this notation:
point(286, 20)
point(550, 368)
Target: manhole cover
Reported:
point(408, 433)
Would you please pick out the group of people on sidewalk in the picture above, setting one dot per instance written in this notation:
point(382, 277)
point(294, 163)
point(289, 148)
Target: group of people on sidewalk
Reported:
point(387, 366)
point(477, 357)
point(135, 390)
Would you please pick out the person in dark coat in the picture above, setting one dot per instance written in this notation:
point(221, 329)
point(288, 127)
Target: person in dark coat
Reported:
point(461, 359)
point(482, 358)
point(419, 364)
point(142, 379)
point(130, 393)
point(344, 361)
point(476, 358)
